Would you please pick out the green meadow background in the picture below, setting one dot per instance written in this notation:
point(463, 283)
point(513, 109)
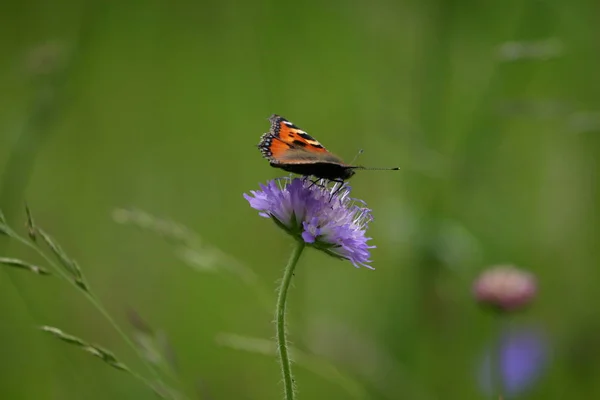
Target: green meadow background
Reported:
point(491, 109)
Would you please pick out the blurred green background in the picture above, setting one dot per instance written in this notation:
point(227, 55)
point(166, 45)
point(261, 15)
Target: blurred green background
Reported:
point(492, 110)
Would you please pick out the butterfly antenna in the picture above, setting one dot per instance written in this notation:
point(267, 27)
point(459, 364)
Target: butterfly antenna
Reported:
point(376, 169)
point(356, 156)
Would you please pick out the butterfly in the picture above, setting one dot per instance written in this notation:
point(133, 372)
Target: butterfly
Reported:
point(290, 148)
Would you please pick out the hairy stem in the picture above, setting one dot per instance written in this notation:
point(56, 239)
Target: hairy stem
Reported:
point(282, 344)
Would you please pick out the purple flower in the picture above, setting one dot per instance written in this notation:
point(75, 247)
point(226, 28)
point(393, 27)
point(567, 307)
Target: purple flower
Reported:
point(522, 357)
point(324, 217)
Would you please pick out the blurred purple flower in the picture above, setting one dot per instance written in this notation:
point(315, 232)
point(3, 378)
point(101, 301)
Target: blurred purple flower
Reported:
point(324, 217)
point(523, 357)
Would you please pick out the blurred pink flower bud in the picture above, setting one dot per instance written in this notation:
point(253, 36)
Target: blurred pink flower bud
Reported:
point(505, 287)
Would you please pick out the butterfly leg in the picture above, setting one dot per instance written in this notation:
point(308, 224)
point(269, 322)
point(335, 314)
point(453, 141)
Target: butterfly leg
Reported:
point(312, 183)
point(315, 182)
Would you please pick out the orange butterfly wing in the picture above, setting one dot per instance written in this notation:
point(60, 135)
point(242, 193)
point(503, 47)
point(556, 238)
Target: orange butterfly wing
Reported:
point(285, 143)
point(272, 147)
point(288, 147)
point(294, 136)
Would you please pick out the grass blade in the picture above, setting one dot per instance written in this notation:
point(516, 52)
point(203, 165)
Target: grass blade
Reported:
point(3, 227)
point(70, 265)
point(105, 355)
point(13, 262)
point(155, 345)
point(30, 224)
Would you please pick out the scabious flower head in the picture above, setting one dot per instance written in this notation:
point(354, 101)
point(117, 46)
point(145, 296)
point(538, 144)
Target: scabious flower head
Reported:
point(324, 217)
point(505, 288)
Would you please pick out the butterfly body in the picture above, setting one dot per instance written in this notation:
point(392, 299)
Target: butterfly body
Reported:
point(289, 148)
point(323, 170)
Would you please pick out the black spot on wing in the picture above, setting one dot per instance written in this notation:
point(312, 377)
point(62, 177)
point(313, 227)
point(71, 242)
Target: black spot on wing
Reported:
point(311, 140)
point(305, 135)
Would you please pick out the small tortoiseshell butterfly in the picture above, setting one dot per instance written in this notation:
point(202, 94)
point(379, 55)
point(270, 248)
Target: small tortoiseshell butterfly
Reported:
point(288, 147)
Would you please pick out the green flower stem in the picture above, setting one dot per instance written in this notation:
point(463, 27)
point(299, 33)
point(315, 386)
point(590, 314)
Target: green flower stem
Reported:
point(497, 377)
point(282, 345)
point(496, 372)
